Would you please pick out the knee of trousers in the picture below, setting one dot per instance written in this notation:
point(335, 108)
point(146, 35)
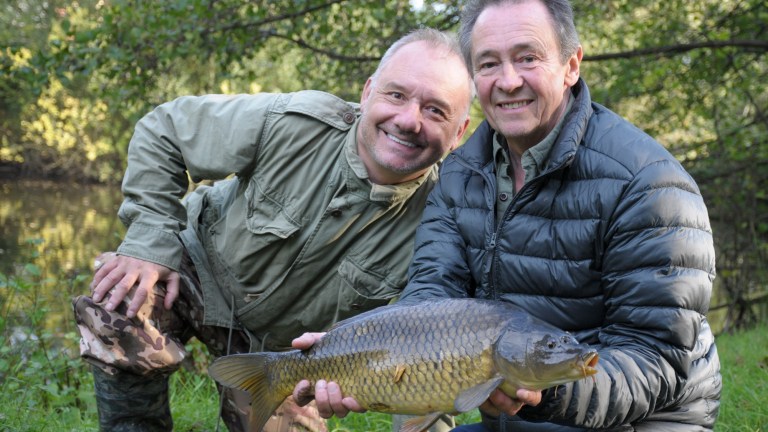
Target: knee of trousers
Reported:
point(112, 342)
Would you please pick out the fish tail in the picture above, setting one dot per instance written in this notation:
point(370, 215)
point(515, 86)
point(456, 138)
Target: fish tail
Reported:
point(249, 372)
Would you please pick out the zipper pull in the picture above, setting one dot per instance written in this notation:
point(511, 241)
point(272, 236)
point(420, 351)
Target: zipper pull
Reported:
point(493, 241)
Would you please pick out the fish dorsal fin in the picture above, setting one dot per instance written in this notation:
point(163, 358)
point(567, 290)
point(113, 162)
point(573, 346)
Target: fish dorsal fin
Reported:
point(420, 424)
point(249, 372)
point(472, 397)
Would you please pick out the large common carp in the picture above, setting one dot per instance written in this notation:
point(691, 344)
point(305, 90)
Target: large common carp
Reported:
point(435, 357)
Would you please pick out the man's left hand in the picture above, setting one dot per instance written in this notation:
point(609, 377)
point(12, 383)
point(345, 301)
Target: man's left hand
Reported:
point(327, 395)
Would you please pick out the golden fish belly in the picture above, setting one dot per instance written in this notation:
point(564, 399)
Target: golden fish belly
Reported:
point(401, 382)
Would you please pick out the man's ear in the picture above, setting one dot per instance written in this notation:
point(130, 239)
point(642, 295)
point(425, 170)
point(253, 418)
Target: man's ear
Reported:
point(462, 131)
point(366, 92)
point(572, 72)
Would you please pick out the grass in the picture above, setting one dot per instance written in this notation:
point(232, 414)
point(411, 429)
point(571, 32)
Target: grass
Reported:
point(44, 386)
point(744, 360)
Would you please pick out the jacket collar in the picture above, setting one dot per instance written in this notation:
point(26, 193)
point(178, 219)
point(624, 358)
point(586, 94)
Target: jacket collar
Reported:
point(574, 128)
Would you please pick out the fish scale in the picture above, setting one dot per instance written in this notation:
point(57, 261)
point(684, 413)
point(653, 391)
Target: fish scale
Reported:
point(367, 366)
point(427, 359)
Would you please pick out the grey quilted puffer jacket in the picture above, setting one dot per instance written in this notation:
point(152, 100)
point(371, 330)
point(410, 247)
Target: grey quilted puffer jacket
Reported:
point(611, 242)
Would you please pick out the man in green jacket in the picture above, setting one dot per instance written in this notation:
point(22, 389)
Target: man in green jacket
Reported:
point(315, 224)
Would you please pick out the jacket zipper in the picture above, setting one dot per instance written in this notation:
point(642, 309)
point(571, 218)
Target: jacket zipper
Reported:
point(526, 187)
point(492, 255)
point(491, 246)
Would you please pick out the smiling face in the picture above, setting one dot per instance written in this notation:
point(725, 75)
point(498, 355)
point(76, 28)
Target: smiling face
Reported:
point(413, 112)
point(521, 82)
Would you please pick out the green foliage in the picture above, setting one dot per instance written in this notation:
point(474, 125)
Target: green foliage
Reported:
point(39, 372)
point(133, 45)
point(69, 132)
point(194, 402)
point(20, 85)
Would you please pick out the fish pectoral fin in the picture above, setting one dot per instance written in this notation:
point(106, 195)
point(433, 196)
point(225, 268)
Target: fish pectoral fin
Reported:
point(420, 424)
point(472, 397)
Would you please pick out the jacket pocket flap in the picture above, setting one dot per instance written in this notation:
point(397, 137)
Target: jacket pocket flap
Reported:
point(367, 283)
point(266, 215)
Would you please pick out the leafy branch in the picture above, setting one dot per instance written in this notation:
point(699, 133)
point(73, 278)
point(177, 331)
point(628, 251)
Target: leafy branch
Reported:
point(278, 18)
point(759, 45)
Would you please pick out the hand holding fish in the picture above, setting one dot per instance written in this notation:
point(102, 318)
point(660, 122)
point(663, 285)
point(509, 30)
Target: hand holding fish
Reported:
point(118, 274)
point(327, 395)
point(499, 402)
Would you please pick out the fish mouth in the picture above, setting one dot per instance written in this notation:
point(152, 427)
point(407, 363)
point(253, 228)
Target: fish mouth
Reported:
point(588, 363)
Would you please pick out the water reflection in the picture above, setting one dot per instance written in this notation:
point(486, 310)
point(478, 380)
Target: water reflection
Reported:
point(49, 234)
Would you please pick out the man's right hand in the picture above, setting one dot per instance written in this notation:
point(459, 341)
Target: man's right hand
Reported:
point(119, 274)
point(499, 402)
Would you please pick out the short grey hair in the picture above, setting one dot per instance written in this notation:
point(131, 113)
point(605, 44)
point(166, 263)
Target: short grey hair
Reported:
point(434, 38)
point(560, 11)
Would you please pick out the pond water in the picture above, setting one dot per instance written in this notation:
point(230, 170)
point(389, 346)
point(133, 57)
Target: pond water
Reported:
point(62, 226)
point(49, 235)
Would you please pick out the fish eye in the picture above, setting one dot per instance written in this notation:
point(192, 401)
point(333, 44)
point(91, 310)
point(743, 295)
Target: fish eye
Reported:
point(567, 340)
point(552, 344)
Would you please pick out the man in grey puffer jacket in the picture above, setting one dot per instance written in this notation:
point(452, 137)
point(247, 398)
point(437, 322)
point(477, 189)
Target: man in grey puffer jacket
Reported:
point(560, 206)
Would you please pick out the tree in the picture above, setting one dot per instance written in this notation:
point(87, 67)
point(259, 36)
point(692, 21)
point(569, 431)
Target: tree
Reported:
point(24, 27)
point(332, 44)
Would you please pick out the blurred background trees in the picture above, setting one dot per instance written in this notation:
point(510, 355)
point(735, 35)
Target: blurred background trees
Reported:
point(76, 75)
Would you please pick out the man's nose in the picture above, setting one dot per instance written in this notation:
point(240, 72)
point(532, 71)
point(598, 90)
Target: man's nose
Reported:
point(510, 79)
point(409, 118)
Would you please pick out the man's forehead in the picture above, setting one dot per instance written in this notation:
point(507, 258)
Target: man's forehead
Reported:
point(518, 29)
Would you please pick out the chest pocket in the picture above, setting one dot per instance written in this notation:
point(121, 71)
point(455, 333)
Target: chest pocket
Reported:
point(266, 216)
point(361, 290)
point(252, 233)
